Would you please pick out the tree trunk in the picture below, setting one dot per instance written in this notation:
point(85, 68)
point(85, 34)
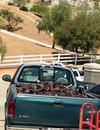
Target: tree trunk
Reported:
point(53, 45)
point(76, 49)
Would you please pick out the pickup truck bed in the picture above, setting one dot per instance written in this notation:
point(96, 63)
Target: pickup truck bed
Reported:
point(23, 109)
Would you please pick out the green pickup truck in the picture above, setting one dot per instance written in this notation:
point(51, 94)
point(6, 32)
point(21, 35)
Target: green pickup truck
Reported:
point(44, 96)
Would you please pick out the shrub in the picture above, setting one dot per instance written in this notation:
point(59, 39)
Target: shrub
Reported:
point(10, 3)
point(24, 8)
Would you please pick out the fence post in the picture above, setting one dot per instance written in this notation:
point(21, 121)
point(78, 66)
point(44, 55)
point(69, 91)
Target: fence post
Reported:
point(92, 58)
point(76, 59)
point(21, 59)
point(58, 57)
point(40, 58)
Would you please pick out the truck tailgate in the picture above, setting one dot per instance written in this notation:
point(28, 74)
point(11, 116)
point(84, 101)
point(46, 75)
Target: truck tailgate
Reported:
point(50, 111)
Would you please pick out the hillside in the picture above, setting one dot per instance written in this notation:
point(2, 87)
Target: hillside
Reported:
point(17, 46)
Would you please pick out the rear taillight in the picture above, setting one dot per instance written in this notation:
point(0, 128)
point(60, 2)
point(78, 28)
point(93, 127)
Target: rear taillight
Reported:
point(11, 108)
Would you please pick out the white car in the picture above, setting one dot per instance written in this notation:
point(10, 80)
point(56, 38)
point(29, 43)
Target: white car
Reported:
point(58, 64)
point(79, 74)
point(54, 63)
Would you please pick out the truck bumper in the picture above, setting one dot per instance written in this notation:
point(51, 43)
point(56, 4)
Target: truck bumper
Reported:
point(20, 128)
point(32, 128)
point(15, 128)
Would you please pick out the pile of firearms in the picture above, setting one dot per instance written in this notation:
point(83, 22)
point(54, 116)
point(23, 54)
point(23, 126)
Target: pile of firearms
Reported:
point(56, 89)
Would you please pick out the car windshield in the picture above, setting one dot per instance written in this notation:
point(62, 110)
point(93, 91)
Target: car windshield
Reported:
point(51, 74)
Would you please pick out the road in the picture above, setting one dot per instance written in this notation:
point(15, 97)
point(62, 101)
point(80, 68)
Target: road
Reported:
point(3, 88)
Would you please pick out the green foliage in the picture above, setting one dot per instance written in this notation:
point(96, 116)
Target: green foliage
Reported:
point(3, 48)
point(63, 34)
point(96, 5)
point(46, 24)
point(11, 3)
point(24, 8)
point(12, 20)
point(97, 61)
point(2, 24)
point(60, 13)
point(6, 14)
point(3, 27)
point(39, 9)
point(54, 18)
point(81, 32)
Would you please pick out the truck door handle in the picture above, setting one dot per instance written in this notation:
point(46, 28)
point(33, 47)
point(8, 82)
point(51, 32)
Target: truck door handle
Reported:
point(58, 103)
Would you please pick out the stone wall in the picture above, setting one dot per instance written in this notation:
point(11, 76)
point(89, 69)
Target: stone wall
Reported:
point(92, 72)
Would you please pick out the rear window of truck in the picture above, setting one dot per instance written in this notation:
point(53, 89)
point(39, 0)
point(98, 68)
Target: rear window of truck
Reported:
point(46, 73)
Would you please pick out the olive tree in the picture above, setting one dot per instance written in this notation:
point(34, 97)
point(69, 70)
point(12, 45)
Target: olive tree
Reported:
point(12, 20)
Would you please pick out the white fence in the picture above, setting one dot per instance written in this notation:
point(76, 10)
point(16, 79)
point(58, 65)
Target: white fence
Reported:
point(12, 61)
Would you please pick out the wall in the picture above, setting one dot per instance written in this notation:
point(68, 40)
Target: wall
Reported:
point(92, 72)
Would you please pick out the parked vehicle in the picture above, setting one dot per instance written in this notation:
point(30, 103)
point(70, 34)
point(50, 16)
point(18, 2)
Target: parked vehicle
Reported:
point(55, 63)
point(79, 74)
point(42, 96)
point(87, 85)
point(94, 91)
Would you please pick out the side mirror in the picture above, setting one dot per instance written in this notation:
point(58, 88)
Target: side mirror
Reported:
point(6, 78)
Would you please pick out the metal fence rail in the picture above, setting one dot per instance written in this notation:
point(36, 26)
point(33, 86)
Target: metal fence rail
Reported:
point(61, 58)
